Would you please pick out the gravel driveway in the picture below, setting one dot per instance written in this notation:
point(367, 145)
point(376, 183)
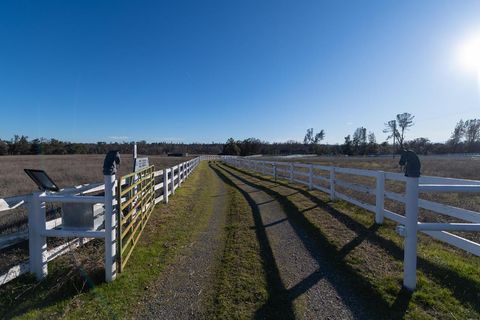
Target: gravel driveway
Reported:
point(310, 284)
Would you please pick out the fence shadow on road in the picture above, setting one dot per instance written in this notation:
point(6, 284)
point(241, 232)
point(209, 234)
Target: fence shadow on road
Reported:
point(461, 287)
point(277, 306)
point(344, 278)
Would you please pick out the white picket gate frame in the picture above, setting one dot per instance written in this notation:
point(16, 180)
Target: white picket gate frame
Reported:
point(39, 229)
point(409, 225)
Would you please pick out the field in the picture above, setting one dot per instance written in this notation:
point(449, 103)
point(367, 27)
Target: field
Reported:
point(65, 170)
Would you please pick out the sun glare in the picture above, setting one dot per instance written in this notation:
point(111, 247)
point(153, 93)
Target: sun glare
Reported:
point(469, 53)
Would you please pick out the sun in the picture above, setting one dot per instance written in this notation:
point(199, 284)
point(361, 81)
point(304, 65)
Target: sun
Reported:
point(468, 54)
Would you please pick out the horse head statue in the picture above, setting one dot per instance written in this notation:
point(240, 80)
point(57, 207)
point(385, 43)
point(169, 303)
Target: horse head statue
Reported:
point(411, 162)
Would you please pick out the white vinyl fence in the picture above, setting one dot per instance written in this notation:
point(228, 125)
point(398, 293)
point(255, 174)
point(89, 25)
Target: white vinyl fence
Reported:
point(167, 181)
point(325, 178)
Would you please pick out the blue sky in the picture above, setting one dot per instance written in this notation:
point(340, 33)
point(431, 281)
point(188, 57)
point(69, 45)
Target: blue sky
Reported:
point(208, 70)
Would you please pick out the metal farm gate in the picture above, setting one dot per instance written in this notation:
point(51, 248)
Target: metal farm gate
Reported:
point(136, 200)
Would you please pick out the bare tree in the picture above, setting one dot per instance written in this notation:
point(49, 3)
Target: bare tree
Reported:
point(398, 127)
point(313, 140)
point(472, 132)
point(405, 121)
point(457, 134)
point(308, 136)
point(360, 140)
point(319, 136)
point(347, 146)
point(372, 143)
point(371, 138)
point(391, 129)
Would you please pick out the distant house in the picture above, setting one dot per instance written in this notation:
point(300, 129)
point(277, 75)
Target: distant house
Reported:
point(178, 154)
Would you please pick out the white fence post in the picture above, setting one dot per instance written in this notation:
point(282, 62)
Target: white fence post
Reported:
point(172, 180)
point(411, 220)
point(380, 197)
point(183, 171)
point(180, 174)
point(332, 183)
point(291, 172)
point(165, 185)
point(37, 244)
point(310, 177)
point(110, 229)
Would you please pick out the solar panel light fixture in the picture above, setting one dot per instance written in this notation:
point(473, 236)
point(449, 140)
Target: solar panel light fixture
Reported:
point(42, 180)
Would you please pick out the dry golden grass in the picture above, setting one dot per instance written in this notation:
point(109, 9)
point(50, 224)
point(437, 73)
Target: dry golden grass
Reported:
point(65, 170)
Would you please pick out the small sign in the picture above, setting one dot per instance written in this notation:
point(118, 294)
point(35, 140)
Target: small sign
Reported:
point(141, 163)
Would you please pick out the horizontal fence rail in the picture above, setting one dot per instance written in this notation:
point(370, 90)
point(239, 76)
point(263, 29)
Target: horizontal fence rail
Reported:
point(326, 179)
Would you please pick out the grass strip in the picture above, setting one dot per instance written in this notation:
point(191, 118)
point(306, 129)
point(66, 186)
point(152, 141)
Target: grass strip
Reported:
point(240, 287)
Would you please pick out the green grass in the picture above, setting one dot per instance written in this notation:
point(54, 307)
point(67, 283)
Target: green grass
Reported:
point(84, 296)
point(371, 257)
point(240, 288)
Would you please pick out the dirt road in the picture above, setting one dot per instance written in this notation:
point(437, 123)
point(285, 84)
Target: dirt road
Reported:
point(309, 287)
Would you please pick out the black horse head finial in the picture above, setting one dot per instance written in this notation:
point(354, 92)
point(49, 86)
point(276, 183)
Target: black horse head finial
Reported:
point(112, 159)
point(411, 162)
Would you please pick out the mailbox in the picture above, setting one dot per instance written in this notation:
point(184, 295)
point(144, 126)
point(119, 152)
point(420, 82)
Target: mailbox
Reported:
point(82, 216)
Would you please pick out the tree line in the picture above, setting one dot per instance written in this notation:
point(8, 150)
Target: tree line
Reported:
point(21, 145)
point(465, 138)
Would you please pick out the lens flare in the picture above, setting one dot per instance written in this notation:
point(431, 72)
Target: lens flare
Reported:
point(469, 53)
point(468, 56)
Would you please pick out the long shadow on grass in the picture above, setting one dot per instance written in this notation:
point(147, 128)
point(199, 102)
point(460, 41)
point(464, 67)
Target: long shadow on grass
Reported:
point(278, 305)
point(26, 293)
point(460, 286)
point(346, 278)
